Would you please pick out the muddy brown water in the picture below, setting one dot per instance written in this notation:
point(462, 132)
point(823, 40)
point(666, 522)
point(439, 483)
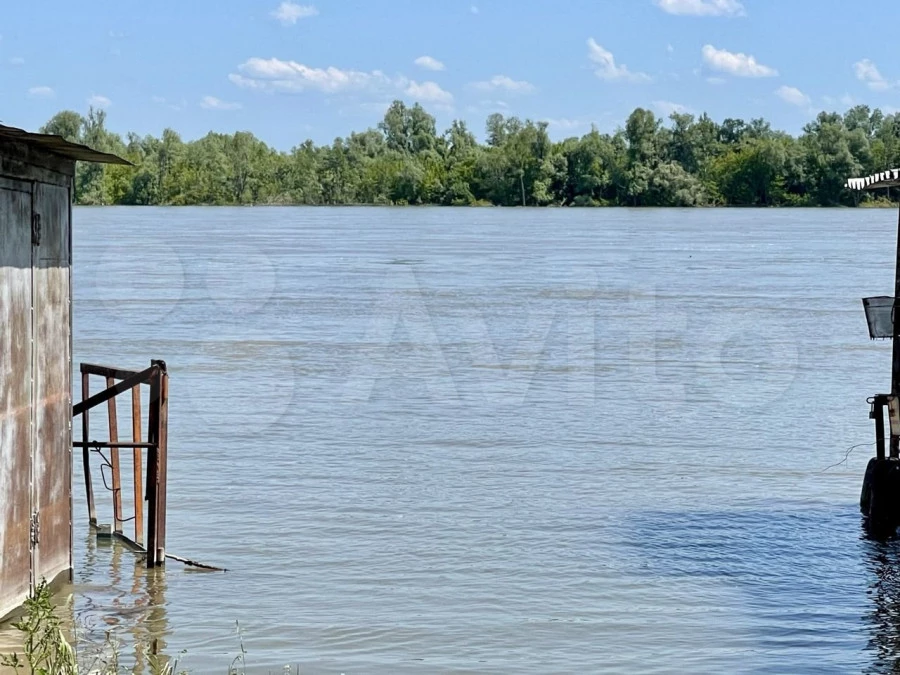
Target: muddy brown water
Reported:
point(494, 441)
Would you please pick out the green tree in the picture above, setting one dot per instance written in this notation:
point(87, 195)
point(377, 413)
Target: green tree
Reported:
point(829, 158)
point(687, 161)
point(67, 123)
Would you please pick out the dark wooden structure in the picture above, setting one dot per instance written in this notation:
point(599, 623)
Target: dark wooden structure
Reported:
point(36, 182)
point(880, 498)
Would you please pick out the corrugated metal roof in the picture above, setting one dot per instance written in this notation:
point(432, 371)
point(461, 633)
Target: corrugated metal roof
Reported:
point(59, 146)
point(879, 180)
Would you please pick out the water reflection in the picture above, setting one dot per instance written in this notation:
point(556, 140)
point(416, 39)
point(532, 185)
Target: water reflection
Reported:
point(125, 618)
point(883, 615)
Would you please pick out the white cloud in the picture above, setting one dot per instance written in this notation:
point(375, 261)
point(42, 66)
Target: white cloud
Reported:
point(667, 108)
point(868, 72)
point(275, 75)
point(737, 64)
point(716, 81)
point(289, 13)
point(429, 63)
point(473, 9)
point(488, 106)
point(608, 69)
point(41, 92)
point(174, 106)
point(98, 101)
point(17, 61)
point(290, 76)
point(505, 83)
point(429, 92)
point(213, 103)
point(377, 107)
point(793, 96)
point(567, 125)
point(702, 7)
point(563, 123)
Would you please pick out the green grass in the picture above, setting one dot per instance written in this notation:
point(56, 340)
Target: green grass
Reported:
point(49, 649)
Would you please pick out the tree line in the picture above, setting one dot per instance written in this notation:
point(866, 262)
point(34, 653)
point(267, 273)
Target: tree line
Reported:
point(684, 161)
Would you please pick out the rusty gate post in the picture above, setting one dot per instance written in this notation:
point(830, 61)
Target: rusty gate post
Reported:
point(114, 460)
point(86, 451)
point(153, 468)
point(162, 440)
point(138, 458)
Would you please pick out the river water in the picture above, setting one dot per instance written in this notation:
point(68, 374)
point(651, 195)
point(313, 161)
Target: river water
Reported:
point(495, 441)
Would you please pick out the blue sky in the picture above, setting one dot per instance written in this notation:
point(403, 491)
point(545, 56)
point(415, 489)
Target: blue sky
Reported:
point(320, 68)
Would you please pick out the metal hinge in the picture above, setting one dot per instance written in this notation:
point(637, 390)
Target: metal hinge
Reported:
point(35, 528)
point(36, 229)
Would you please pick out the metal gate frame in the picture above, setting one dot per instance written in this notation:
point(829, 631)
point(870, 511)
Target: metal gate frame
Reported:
point(119, 381)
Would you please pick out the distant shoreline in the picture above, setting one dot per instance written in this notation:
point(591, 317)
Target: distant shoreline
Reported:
point(685, 161)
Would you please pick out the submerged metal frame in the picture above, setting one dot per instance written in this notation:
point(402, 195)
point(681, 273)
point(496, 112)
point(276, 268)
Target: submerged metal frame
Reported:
point(118, 381)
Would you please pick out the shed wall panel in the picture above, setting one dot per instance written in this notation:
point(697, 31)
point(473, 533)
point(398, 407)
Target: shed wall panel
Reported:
point(52, 389)
point(15, 397)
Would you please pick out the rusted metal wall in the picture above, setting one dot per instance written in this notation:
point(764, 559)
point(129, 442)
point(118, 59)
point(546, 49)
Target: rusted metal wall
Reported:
point(52, 387)
point(35, 371)
point(15, 393)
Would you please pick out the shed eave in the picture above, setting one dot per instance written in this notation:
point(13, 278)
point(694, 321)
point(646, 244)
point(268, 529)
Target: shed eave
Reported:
point(59, 146)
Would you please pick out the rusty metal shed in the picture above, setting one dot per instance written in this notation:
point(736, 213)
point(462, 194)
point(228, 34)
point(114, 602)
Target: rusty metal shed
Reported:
point(36, 189)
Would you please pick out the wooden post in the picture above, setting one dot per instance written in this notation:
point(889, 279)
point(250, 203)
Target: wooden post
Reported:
point(895, 363)
point(138, 459)
point(86, 451)
point(114, 460)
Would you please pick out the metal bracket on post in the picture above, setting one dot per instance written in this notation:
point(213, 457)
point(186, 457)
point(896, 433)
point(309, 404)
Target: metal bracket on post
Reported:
point(35, 529)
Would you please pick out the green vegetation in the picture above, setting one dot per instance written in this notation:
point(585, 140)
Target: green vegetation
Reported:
point(688, 162)
point(47, 650)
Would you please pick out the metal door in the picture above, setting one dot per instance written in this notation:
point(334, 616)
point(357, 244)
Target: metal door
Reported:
point(51, 505)
point(16, 441)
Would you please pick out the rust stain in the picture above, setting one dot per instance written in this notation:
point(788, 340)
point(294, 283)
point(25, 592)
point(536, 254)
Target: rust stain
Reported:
point(15, 398)
point(52, 388)
point(46, 401)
